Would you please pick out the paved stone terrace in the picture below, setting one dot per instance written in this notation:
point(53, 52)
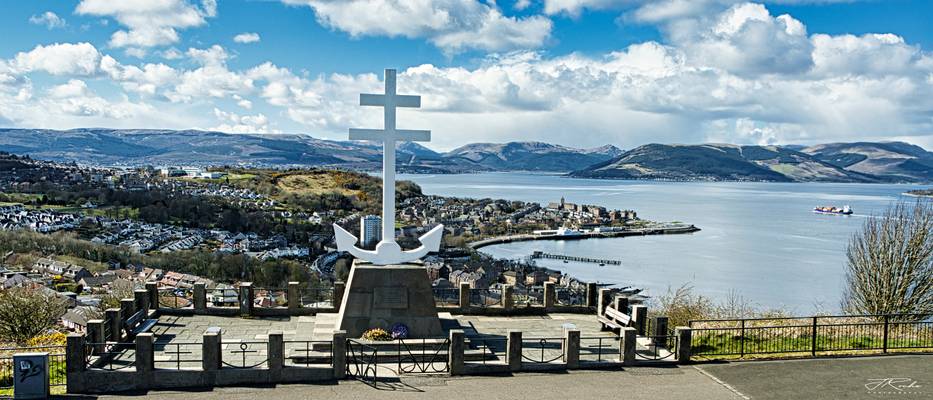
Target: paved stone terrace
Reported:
point(178, 338)
point(244, 339)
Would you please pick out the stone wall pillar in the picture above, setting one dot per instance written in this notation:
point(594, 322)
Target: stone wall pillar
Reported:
point(276, 354)
point(684, 344)
point(75, 361)
point(145, 360)
point(127, 309)
point(95, 334)
point(464, 297)
point(115, 321)
point(211, 351)
point(247, 299)
point(141, 299)
point(571, 348)
point(550, 295)
point(592, 291)
point(339, 288)
point(659, 331)
point(513, 356)
point(640, 319)
point(294, 297)
point(627, 344)
point(455, 354)
point(200, 297)
point(339, 350)
point(620, 303)
point(602, 301)
point(508, 297)
point(153, 289)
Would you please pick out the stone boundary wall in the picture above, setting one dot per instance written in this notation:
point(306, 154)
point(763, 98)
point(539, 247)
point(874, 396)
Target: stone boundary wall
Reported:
point(507, 307)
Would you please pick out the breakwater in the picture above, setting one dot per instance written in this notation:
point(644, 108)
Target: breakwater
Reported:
point(660, 230)
point(541, 254)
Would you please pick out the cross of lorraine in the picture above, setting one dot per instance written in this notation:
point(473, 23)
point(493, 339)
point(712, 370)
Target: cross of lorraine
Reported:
point(387, 250)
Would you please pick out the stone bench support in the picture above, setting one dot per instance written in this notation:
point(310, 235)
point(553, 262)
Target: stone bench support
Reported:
point(640, 319)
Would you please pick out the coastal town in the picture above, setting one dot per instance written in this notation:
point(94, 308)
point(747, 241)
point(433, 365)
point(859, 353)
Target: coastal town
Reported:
point(97, 207)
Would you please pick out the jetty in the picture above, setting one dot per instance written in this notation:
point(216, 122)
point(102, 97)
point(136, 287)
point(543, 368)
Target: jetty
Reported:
point(666, 229)
point(541, 254)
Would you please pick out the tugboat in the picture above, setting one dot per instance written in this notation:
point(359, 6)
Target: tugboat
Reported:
point(845, 210)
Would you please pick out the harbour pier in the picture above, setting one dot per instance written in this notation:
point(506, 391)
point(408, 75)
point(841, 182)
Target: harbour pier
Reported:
point(541, 254)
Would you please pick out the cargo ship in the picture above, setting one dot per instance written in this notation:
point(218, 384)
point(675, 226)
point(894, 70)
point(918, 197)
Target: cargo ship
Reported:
point(833, 210)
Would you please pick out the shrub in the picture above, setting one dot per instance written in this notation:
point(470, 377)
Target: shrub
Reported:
point(27, 312)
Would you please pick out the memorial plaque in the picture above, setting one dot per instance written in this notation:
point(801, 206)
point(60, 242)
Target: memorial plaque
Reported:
point(390, 297)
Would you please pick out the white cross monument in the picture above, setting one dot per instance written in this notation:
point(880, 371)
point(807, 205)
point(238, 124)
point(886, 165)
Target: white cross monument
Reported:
point(387, 250)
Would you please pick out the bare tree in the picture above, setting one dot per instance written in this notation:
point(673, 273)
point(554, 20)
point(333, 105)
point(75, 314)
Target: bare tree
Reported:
point(26, 313)
point(890, 263)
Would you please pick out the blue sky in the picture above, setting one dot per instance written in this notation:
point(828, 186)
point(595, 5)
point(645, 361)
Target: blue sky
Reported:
point(574, 72)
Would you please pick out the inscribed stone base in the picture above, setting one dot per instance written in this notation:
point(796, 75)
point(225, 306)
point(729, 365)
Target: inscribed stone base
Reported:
point(381, 296)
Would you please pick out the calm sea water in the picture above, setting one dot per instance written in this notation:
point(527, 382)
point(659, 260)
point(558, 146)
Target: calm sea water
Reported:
point(760, 241)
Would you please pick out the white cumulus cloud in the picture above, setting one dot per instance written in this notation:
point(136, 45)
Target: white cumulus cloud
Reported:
point(48, 19)
point(246, 37)
point(452, 25)
point(60, 59)
point(149, 22)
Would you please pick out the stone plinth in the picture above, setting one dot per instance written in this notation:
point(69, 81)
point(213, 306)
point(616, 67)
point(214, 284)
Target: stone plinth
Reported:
point(380, 296)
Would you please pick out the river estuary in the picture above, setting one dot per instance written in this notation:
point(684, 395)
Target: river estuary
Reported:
point(760, 241)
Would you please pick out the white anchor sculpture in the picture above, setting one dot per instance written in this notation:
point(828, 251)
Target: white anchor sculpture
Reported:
point(388, 251)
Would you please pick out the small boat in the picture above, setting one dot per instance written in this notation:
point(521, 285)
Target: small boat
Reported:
point(845, 210)
point(565, 261)
point(602, 264)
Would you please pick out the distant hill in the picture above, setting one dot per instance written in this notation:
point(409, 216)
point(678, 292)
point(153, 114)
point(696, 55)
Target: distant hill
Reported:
point(834, 162)
point(889, 161)
point(191, 147)
point(531, 156)
point(719, 162)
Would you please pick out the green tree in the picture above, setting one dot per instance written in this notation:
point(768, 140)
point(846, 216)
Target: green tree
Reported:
point(26, 313)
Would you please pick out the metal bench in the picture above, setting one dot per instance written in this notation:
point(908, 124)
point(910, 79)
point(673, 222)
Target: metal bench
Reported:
point(614, 319)
point(138, 323)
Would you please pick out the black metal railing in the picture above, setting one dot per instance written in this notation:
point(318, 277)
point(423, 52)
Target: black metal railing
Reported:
point(175, 298)
point(600, 349)
point(270, 297)
point(447, 297)
point(57, 365)
point(109, 356)
point(178, 355)
point(490, 349)
point(483, 298)
point(419, 356)
point(740, 337)
point(224, 298)
point(543, 350)
point(245, 354)
point(659, 347)
point(362, 362)
point(317, 297)
point(566, 296)
point(528, 297)
point(307, 352)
